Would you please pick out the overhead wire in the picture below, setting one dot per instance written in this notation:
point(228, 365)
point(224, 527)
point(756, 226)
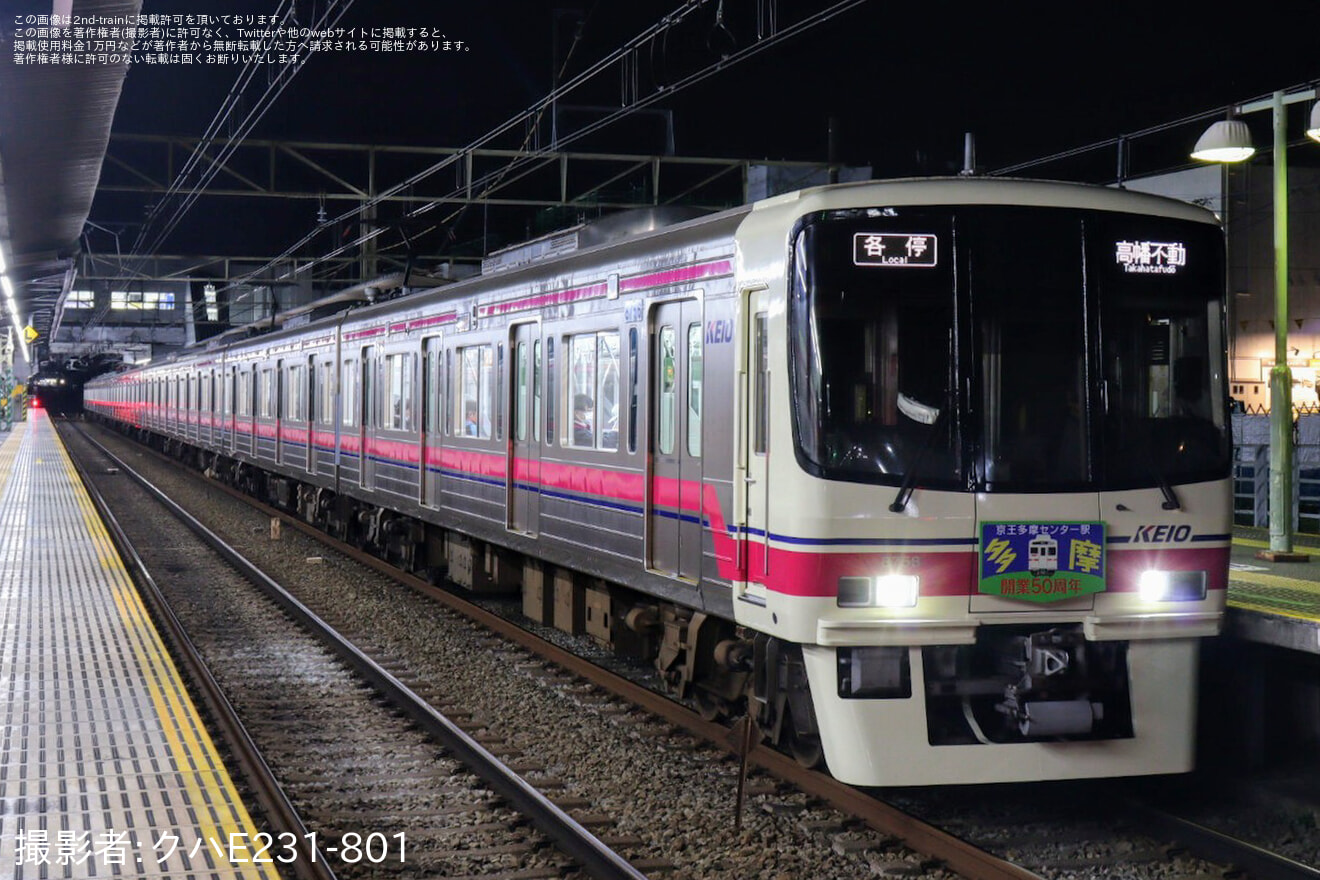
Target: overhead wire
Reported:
point(213, 129)
point(637, 43)
point(284, 13)
point(333, 12)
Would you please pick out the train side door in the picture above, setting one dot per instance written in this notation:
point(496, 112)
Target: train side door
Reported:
point(525, 430)
point(674, 508)
point(755, 455)
point(433, 410)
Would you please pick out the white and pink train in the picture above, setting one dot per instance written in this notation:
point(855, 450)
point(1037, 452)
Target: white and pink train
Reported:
point(933, 475)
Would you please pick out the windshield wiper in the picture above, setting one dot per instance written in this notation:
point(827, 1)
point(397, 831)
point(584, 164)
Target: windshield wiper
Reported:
point(1171, 501)
point(900, 502)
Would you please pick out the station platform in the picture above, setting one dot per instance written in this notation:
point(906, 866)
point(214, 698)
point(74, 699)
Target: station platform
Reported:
point(1274, 603)
point(106, 769)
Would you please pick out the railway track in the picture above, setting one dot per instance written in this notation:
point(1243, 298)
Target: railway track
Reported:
point(863, 832)
point(1112, 828)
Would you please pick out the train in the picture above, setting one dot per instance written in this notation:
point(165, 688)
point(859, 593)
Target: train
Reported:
point(803, 455)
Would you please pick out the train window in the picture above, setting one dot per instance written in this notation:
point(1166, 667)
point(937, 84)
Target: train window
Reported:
point(289, 406)
point(536, 390)
point(408, 391)
point(367, 390)
point(1162, 347)
point(325, 399)
point(634, 376)
point(581, 388)
point(496, 407)
point(522, 395)
point(761, 368)
point(550, 389)
point(666, 401)
point(433, 388)
point(871, 330)
point(607, 391)
point(397, 393)
point(1034, 395)
point(594, 389)
point(449, 371)
point(694, 365)
point(475, 389)
point(1146, 413)
point(243, 403)
point(295, 393)
point(266, 400)
point(348, 397)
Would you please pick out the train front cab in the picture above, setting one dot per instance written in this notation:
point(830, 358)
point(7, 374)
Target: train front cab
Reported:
point(960, 379)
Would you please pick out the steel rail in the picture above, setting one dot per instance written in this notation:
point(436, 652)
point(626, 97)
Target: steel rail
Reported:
point(1216, 846)
point(279, 811)
point(965, 858)
point(595, 857)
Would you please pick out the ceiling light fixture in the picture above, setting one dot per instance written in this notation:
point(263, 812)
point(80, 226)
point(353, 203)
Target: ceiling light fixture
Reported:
point(1228, 140)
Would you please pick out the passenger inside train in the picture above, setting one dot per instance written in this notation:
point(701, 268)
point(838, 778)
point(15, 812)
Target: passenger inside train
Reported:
point(582, 433)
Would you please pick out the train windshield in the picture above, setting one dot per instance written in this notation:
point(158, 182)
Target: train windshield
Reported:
point(1089, 346)
point(1161, 385)
point(872, 323)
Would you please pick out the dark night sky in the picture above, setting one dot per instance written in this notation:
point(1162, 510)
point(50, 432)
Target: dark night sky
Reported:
point(1029, 78)
point(904, 79)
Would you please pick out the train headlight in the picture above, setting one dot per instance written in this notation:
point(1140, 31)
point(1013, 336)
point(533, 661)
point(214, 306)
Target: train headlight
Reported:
point(884, 591)
point(1171, 586)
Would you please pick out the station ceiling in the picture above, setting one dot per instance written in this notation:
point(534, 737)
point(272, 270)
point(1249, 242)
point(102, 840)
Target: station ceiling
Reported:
point(54, 126)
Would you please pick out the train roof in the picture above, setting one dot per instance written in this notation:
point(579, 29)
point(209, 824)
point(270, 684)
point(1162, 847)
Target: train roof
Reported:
point(983, 191)
point(774, 211)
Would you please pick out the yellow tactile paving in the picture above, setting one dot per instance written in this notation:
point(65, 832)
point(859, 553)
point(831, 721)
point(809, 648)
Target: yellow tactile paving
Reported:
point(105, 766)
point(1261, 545)
point(1274, 594)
